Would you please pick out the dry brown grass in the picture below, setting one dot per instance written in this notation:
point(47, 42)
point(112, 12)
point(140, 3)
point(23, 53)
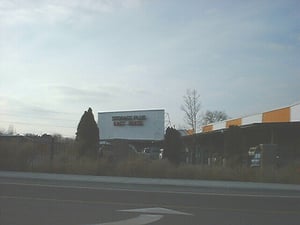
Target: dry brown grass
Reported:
point(27, 158)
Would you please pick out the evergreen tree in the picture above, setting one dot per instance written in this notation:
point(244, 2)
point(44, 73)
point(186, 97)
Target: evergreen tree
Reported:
point(87, 134)
point(172, 145)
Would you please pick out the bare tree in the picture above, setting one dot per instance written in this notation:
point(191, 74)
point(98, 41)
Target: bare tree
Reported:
point(214, 116)
point(191, 107)
point(11, 130)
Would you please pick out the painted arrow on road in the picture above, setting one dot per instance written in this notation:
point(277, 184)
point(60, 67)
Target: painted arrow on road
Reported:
point(140, 220)
point(156, 211)
point(149, 215)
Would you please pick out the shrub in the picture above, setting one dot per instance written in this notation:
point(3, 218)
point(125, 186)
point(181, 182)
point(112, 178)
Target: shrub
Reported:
point(36, 158)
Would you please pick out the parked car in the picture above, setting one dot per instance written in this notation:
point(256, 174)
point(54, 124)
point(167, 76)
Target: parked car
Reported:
point(152, 152)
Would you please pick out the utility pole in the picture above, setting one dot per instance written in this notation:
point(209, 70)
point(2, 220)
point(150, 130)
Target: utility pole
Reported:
point(168, 120)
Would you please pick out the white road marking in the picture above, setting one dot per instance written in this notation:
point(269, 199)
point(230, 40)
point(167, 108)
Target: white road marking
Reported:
point(139, 220)
point(148, 216)
point(156, 211)
point(154, 191)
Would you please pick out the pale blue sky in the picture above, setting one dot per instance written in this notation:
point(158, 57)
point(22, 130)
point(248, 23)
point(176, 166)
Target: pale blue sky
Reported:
point(57, 58)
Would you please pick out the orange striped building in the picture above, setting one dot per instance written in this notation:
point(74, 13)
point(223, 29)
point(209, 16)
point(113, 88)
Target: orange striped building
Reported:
point(281, 115)
point(233, 138)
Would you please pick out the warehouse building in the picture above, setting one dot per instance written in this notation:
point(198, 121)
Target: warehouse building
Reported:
point(234, 137)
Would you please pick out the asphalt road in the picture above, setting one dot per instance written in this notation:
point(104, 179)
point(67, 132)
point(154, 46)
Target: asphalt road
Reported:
point(27, 199)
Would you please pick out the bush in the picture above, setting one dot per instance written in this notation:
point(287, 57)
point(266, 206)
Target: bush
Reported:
point(13, 157)
point(36, 158)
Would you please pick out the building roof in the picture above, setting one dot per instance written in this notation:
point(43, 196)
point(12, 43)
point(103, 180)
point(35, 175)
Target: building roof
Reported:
point(186, 132)
point(280, 115)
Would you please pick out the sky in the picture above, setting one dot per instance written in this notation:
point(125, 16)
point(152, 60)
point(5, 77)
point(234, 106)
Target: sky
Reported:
point(60, 57)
